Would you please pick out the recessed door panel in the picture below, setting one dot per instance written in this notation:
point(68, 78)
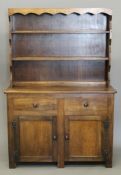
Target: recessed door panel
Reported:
point(37, 139)
point(83, 138)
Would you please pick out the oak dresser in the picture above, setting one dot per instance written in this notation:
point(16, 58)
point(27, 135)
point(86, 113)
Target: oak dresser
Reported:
point(60, 102)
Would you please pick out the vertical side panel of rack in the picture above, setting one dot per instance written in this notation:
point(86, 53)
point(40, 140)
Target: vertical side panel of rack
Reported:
point(109, 48)
point(10, 47)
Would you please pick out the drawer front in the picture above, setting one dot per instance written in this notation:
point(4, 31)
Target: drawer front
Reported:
point(86, 105)
point(44, 106)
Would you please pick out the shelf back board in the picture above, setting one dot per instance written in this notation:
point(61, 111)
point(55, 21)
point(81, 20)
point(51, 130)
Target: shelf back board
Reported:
point(59, 71)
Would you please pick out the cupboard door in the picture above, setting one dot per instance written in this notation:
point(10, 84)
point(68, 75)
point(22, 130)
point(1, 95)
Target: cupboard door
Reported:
point(83, 138)
point(35, 139)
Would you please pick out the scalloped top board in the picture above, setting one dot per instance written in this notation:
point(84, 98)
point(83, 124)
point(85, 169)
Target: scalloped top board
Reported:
point(66, 11)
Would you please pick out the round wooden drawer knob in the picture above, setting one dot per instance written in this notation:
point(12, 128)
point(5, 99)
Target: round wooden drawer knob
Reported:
point(86, 104)
point(35, 105)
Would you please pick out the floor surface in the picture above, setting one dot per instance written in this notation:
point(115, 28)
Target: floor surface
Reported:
point(68, 170)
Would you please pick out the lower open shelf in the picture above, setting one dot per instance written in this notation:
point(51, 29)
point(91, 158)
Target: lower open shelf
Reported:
point(51, 58)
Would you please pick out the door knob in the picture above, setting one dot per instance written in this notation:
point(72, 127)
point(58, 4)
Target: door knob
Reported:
point(54, 137)
point(66, 137)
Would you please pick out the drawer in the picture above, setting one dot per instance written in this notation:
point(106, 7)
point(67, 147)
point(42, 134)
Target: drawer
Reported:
point(86, 105)
point(41, 105)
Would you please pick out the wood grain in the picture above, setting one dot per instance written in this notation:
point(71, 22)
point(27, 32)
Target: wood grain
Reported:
point(57, 58)
point(40, 131)
point(87, 105)
point(52, 71)
point(84, 138)
point(60, 130)
point(25, 11)
point(61, 89)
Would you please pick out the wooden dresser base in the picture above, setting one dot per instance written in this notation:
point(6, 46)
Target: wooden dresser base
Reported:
point(60, 126)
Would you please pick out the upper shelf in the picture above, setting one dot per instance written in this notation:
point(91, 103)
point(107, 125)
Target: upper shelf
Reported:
point(65, 11)
point(86, 31)
point(57, 58)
